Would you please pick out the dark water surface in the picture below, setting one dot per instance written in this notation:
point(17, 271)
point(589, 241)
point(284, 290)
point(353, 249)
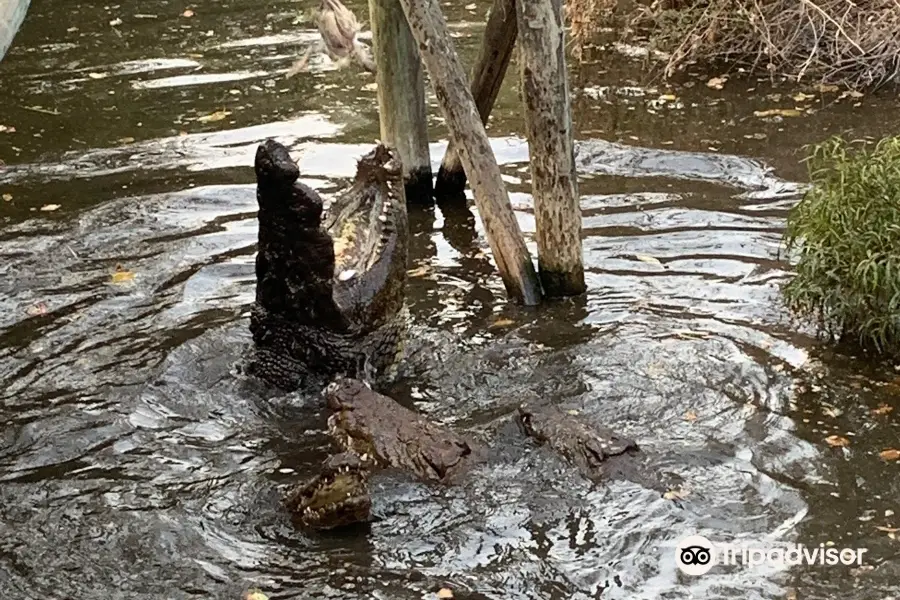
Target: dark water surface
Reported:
point(135, 463)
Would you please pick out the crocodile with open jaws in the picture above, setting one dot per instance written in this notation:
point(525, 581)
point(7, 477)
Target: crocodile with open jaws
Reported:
point(330, 287)
point(330, 304)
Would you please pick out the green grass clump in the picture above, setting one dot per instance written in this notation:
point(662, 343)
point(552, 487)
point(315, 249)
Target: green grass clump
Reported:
point(846, 231)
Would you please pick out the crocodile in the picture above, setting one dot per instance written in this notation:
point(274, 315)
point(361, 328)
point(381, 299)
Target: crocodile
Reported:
point(337, 496)
point(381, 433)
point(330, 284)
point(590, 448)
point(375, 426)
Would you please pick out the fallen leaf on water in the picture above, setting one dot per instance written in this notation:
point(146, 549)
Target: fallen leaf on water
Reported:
point(115, 22)
point(472, 6)
point(851, 94)
point(7, 197)
point(7, 129)
point(188, 13)
point(96, 75)
point(801, 97)
point(500, 323)
point(882, 409)
point(716, 83)
point(862, 570)
point(687, 334)
point(676, 494)
point(648, 259)
point(254, 594)
point(830, 411)
point(690, 416)
point(370, 87)
point(777, 112)
point(837, 441)
point(890, 454)
point(887, 529)
point(825, 88)
point(50, 207)
point(445, 593)
point(418, 272)
point(36, 309)
point(125, 140)
point(213, 117)
point(668, 97)
point(122, 275)
point(573, 411)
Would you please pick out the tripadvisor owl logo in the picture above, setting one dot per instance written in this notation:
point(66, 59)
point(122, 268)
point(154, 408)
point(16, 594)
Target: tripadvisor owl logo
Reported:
point(695, 555)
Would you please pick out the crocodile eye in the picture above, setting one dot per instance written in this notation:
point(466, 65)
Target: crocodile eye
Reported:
point(332, 387)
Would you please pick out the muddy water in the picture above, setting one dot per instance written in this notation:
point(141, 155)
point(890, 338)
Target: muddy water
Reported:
point(135, 463)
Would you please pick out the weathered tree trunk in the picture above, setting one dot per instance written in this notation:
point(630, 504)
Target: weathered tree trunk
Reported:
point(401, 96)
point(548, 122)
point(487, 77)
point(458, 107)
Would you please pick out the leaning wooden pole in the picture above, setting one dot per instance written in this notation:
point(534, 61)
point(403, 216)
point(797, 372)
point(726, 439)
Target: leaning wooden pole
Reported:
point(487, 78)
point(458, 107)
point(548, 122)
point(401, 96)
point(12, 13)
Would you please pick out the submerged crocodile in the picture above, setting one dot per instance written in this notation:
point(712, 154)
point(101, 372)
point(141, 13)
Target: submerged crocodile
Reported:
point(377, 427)
point(337, 496)
point(590, 448)
point(383, 434)
point(330, 286)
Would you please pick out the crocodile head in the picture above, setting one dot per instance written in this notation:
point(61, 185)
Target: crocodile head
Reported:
point(336, 497)
point(330, 295)
point(377, 428)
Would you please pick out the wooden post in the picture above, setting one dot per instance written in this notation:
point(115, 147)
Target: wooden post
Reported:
point(401, 96)
point(548, 122)
point(487, 77)
point(458, 107)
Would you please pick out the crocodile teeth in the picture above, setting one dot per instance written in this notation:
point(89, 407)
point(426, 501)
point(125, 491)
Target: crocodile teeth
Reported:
point(347, 275)
point(382, 218)
point(364, 457)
